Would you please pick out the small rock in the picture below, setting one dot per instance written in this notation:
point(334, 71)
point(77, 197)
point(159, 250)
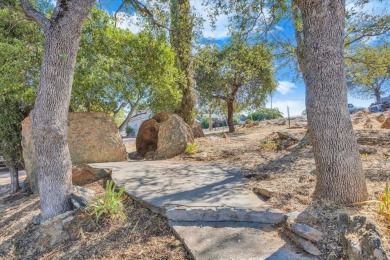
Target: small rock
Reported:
point(36, 220)
point(367, 126)
point(81, 197)
point(286, 136)
point(381, 118)
point(356, 120)
point(268, 193)
point(304, 244)
point(386, 124)
point(306, 232)
point(367, 150)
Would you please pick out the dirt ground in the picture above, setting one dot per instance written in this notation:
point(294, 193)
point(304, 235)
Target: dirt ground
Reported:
point(290, 174)
point(143, 235)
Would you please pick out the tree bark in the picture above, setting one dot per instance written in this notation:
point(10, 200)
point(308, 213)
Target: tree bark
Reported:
point(181, 35)
point(340, 176)
point(14, 174)
point(230, 107)
point(210, 119)
point(49, 117)
point(377, 94)
point(129, 116)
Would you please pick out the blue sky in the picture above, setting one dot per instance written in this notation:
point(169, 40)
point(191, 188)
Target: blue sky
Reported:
point(291, 90)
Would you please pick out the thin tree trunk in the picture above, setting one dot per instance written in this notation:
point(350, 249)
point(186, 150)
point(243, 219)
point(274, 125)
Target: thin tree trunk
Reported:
point(230, 115)
point(49, 117)
point(128, 117)
point(340, 176)
point(210, 119)
point(14, 174)
point(181, 39)
point(377, 94)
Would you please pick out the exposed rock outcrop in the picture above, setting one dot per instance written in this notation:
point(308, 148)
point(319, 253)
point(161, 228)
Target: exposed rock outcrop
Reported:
point(361, 239)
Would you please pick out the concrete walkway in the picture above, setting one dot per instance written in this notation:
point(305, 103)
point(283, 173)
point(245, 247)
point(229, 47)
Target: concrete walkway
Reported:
point(208, 207)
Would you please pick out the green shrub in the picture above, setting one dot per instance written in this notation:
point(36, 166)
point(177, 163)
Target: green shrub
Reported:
point(248, 121)
point(129, 130)
point(191, 148)
point(109, 206)
point(266, 145)
point(204, 122)
point(265, 114)
point(236, 120)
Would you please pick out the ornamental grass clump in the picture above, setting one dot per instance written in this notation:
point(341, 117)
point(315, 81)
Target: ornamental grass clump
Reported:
point(109, 206)
point(191, 148)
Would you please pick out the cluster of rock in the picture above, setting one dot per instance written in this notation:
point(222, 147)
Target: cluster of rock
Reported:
point(371, 120)
point(165, 136)
point(92, 138)
point(304, 236)
point(361, 239)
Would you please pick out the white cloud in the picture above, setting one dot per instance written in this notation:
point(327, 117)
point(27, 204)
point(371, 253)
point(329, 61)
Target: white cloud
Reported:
point(284, 87)
point(296, 107)
point(279, 28)
point(220, 31)
point(129, 22)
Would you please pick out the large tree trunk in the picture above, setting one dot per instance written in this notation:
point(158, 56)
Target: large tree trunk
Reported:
point(14, 174)
point(230, 108)
point(49, 117)
point(340, 176)
point(181, 39)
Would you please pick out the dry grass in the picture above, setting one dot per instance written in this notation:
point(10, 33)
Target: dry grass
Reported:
point(144, 235)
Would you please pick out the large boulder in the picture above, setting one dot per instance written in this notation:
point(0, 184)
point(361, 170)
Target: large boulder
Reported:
point(163, 136)
point(197, 130)
point(147, 137)
point(92, 138)
point(173, 137)
point(162, 117)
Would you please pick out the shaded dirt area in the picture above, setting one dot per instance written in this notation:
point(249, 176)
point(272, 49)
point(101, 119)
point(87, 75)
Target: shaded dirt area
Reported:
point(143, 235)
point(290, 172)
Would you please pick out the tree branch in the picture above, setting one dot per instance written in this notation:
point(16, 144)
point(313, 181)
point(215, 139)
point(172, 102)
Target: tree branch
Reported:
point(34, 14)
point(142, 8)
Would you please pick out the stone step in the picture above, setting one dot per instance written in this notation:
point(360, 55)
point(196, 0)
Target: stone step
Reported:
point(233, 240)
point(262, 215)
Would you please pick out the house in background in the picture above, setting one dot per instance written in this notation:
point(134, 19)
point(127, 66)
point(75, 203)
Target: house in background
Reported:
point(135, 122)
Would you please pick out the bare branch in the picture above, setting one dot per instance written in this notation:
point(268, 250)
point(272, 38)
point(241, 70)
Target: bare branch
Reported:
point(143, 9)
point(34, 14)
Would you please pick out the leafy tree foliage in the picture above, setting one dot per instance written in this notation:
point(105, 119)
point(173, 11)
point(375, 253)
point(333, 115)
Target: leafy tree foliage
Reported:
point(177, 18)
point(368, 72)
point(20, 50)
point(239, 74)
point(117, 69)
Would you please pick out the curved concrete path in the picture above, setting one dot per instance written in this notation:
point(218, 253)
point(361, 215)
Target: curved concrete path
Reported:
point(208, 207)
